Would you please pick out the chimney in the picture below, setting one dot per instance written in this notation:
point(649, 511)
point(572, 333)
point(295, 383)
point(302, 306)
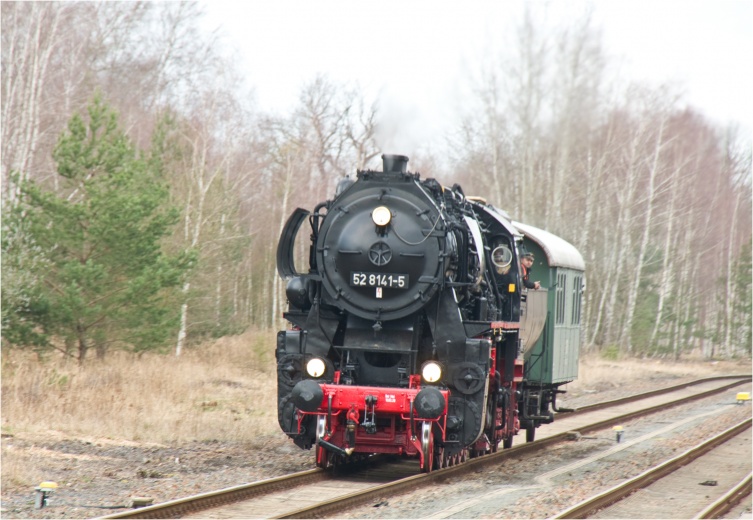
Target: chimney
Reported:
point(394, 163)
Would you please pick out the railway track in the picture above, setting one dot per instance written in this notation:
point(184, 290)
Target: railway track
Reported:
point(670, 489)
point(321, 494)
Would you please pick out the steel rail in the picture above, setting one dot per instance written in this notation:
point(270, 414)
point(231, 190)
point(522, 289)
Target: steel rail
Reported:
point(664, 406)
point(613, 495)
point(729, 500)
point(213, 499)
point(653, 393)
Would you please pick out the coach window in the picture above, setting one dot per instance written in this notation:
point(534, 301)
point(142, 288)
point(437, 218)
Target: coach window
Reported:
point(560, 298)
point(577, 284)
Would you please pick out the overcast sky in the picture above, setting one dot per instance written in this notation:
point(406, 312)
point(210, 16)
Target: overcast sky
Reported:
point(416, 52)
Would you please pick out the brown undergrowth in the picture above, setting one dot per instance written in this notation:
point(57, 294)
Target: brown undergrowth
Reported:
point(220, 391)
point(596, 374)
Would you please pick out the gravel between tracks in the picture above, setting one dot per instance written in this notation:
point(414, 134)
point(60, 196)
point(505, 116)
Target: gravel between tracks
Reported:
point(97, 475)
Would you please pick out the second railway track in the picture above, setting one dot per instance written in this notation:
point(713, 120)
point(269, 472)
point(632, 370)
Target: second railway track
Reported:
point(670, 489)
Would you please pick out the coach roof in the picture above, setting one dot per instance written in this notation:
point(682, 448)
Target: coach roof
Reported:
point(559, 252)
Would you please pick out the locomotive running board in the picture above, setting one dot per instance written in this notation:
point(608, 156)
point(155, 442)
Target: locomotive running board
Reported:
point(474, 329)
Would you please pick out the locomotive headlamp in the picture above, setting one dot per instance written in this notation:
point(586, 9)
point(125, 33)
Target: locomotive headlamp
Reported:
point(431, 371)
point(315, 367)
point(381, 216)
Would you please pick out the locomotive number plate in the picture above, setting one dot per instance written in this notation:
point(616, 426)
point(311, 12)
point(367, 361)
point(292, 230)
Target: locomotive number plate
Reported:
point(392, 281)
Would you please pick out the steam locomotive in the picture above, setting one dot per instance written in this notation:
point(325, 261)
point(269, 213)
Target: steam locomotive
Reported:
point(411, 333)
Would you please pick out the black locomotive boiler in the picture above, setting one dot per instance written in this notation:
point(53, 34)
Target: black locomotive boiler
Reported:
point(410, 330)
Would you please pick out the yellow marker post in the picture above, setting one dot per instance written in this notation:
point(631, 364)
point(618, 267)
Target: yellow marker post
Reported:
point(619, 431)
point(742, 397)
point(43, 492)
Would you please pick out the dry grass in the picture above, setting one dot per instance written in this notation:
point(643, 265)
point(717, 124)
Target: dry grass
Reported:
point(596, 372)
point(225, 391)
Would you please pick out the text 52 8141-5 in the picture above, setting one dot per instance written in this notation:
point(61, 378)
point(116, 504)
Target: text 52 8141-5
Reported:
point(390, 280)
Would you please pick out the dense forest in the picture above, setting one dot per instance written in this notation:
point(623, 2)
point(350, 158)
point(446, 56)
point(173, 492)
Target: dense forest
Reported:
point(143, 194)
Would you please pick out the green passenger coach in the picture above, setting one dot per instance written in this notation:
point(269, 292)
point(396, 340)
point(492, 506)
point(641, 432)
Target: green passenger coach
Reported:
point(553, 356)
point(550, 320)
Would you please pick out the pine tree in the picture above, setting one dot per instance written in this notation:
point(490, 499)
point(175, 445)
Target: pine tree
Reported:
point(103, 280)
point(742, 306)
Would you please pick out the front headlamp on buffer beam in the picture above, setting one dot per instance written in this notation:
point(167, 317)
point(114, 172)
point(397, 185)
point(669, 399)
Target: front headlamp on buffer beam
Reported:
point(381, 216)
point(315, 367)
point(431, 371)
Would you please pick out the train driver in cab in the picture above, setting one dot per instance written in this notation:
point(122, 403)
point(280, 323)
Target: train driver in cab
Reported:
point(526, 263)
